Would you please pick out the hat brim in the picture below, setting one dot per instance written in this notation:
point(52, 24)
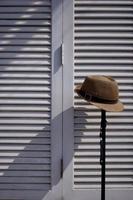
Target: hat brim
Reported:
point(117, 107)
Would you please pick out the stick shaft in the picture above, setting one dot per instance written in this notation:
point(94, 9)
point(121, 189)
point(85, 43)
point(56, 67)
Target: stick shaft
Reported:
point(103, 154)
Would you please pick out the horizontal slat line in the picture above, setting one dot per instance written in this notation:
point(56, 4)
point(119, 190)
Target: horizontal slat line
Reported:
point(97, 120)
point(24, 95)
point(86, 114)
point(97, 173)
point(98, 186)
point(24, 134)
point(23, 185)
point(89, 56)
point(41, 87)
point(26, 55)
point(28, 148)
point(91, 126)
point(27, 167)
point(105, 7)
point(11, 173)
point(108, 172)
point(95, 153)
point(25, 154)
point(109, 160)
point(26, 3)
point(28, 80)
point(25, 10)
point(126, 81)
point(114, 74)
point(20, 69)
point(21, 102)
point(25, 68)
point(121, 78)
point(25, 160)
point(26, 35)
point(24, 108)
point(96, 15)
point(114, 140)
point(92, 166)
point(103, 58)
point(30, 23)
point(26, 16)
point(102, 28)
point(108, 147)
point(110, 152)
point(85, 55)
point(14, 30)
point(88, 177)
point(104, 35)
point(26, 75)
point(36, 100)
point(46, 106)
point(22, 180)
point(19, 194)
point(117, 179)
point(22, 115)
point(23, 45)
point(21, 49)
point(26, 62)
point(102, 22)
point(28, 127)
point(100, 60)
point(101, 41)
point(96, 129)
point(24, 41)
point(20, 119)
point(97, 48)
point(94, 135)
point(25, 141)
point(24, 88)
point(109, 133)
point(29, 144)
point(96, 140)
point(79, 3)
point(103, 68)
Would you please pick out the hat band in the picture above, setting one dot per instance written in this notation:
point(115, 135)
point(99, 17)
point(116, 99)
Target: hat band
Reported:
point(89, 97)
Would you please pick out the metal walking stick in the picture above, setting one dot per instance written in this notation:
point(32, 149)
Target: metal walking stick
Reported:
point(103, 152)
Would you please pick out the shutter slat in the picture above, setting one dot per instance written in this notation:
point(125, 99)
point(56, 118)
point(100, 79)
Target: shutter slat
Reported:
point(25, 3)
point(78, 2)
point(26, 15)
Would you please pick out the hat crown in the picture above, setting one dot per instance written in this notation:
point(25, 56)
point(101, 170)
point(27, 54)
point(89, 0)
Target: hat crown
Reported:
point(103, 87)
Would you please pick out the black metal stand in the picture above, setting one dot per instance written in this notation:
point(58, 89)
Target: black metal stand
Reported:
point(102, 152)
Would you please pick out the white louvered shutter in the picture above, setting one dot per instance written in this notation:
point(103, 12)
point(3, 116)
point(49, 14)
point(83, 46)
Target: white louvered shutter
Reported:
point(103, 45)
point(25, 99)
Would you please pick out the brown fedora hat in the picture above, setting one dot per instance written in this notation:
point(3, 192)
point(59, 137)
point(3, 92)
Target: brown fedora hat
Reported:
point(101, 91)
